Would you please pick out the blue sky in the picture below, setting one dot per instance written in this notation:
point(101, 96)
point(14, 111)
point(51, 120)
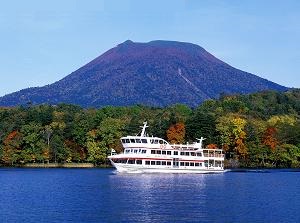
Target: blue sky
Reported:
point(43, 41)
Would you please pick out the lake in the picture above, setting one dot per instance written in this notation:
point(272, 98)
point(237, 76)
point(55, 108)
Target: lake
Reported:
point(101, 195)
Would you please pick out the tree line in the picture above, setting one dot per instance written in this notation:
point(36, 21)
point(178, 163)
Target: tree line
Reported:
point(255, 130)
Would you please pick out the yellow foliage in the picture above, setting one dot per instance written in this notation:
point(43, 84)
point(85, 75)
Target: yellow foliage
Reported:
point(260, 126)
point(232, 132)
point(58, 116)
point(58, 125)
point(282, 119)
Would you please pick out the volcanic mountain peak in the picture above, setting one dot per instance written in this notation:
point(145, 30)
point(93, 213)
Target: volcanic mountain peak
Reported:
point(157, 73)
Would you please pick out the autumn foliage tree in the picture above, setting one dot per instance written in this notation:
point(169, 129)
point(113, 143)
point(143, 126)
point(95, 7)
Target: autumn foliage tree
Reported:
point(258, 130)
point(176, 133)
point(12, 147)
point(232, 134)
point(212, 146)
point(269, 138)
point(240, 136)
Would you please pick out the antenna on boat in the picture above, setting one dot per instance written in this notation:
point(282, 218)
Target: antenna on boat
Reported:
point(144, 129)
point(200, 141)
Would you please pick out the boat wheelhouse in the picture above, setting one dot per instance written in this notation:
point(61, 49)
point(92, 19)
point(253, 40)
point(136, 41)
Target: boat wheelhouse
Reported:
point(146, 154)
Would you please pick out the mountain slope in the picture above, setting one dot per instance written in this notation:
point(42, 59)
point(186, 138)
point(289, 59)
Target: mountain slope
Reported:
point(157, 73)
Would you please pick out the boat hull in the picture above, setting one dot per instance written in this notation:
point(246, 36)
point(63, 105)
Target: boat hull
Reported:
point(125, 168)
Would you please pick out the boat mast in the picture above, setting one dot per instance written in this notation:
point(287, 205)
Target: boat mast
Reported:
point(144, 129)
point(201, 141)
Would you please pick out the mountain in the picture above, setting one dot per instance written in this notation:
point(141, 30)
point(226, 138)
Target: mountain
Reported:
point(157, 73)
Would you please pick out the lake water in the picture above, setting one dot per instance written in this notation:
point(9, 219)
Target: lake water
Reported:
point(100, 195)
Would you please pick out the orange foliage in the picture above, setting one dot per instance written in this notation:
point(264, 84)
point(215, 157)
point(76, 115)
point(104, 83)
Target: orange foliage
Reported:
point(10, 137)
point(241, 148)
point(212, 146)
point(176, 133)
point(11, 146)
point(269, 138)
point(225, 147)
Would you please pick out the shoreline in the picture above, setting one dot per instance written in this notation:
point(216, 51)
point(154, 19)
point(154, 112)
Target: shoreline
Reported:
point(57, 165)
point(104, 166)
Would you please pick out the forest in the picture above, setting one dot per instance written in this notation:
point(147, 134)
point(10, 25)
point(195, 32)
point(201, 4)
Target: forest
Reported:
point(260, 130)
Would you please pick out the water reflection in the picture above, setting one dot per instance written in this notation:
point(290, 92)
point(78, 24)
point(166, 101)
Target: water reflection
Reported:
point(160, 197)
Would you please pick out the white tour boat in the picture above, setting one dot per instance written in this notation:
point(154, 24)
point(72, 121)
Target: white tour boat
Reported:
point(144, 154)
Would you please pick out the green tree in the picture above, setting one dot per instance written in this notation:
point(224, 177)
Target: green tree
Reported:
point(110, 131)
point(33, 143)
point(97, 151)
point(201, 124)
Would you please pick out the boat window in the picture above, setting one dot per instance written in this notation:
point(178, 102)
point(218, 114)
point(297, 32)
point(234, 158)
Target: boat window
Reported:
point(135, 151)
point(152, 151)
point(143, 151)
point(138, 162)
point(144, 140)
point(182, 153)
point(192, 164)
point(199, 154)
point(196, 164)
point(187, 153)
point(181, 163)
point(140, 150)
point(164, 152)
point(132, 141)
point(200, 164)
point(127, 141)
point(123, 140)
point(175, 153)
point(193, 154)
point(168, 152)
point(158, 152)
point(131, 150)
point(152, 162)
point(206, 163)
point(130, 161)
point(161, 142)
point(187, 164)
point(158, 162)
point(155, 141)
point(147, 162)
point(163, 163)
point(168, 163)
point(138, 140)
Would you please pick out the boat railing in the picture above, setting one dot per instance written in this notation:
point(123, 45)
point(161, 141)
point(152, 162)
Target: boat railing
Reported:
point(183, 147)
point(213, 155)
